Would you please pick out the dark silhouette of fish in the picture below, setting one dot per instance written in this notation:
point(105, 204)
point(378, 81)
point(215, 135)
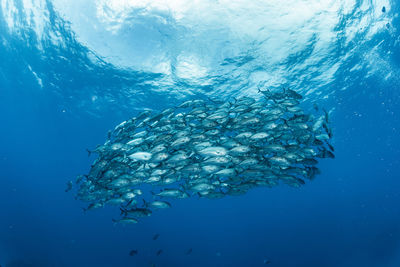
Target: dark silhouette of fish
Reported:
point(155, 237)
point(159, 252)
point(133, 252)
point(188, 251)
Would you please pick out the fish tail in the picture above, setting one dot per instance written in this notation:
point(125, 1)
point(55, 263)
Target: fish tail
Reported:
point(285, 122)
point(122, 211)
point(182, 187)
point(211, 100)
point(129, 202)
point(89, 152)
point(326, 116)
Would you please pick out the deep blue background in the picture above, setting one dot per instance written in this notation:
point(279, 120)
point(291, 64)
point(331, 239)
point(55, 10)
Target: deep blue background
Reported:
point(348, 216)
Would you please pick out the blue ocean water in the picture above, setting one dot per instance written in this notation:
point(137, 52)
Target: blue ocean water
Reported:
point(71, 71)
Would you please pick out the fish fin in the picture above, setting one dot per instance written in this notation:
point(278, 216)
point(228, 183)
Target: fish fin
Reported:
point(89, 152)
point(330, 147)
point(285, 121)
point(182, 187)
point(326, 115)
point(211, 100)
point(129, 202)
point(122, 211)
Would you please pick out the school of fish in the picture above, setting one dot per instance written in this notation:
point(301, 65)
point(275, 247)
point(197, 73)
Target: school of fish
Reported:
point(209, 149)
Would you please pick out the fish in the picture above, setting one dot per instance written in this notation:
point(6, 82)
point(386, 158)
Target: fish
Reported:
point(129, 195)
point(136, 141)
point(217, 160)
point(266, 261)
point(280, 161)
point(156, 236)
point(244, 135)
point(125, 220)
point(144, 156)
point(210, 168)
point(115, 201)
point(293, 94)
point(136, 212)
point(119, 182)
point(173, 193)
point(203, 145)
point(93, 206)
point(133, 252)
point(259, 136)
point(158, 148)
point(158, 204)
point(207, 148)
point(239, 150)
point(226, 172)
point(213, 151)
point(202, 187)
point(153, 179)
point(180, 141)
point(158, 253)
point(180, 156)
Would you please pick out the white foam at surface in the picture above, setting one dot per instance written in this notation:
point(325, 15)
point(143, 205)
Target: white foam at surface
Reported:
point(192, 40)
